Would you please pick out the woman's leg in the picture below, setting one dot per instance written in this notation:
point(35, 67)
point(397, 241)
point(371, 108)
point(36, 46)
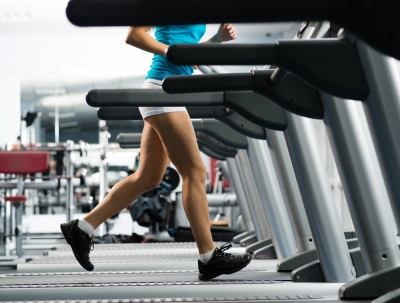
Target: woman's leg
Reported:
point(153, 162)
point(178, 138)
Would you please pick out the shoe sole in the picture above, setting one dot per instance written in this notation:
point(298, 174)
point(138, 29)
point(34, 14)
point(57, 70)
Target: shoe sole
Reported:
point(71, 242)
point(216, 274)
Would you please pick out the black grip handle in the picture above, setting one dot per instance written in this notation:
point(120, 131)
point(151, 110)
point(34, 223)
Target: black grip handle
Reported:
point(222, 54)
point(120, 113)
point(161, 12)
point(149, 97)
point(207, 83)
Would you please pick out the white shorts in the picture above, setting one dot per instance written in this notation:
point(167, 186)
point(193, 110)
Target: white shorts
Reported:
point(151, 111)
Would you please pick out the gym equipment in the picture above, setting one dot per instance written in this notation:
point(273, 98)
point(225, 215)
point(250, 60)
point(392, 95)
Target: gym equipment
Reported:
point(21, 164)
point(214, 145)
point(209, 142)
point(186, 289)
point(233, 179)
point(291, 262)
point(210, 153)
point(65, 149)
point(259, 213)
point(258, 109)
point(380, 251)
point(230, 291)
point(179, 96)
point(380, 104)
point(337, 253)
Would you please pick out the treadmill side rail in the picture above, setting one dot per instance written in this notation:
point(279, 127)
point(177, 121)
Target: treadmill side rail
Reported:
point(238, 238)
point(358, 262)
point(298, 261)
point(371, 285)
point(257, 245)
point(391, 297)
point(310, 272)
point(249, 240)
point(267, 252)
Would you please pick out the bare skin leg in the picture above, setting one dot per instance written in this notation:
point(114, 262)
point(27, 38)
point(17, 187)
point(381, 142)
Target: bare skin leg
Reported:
point(153, 162)
point(165, 137)
point(179, 141)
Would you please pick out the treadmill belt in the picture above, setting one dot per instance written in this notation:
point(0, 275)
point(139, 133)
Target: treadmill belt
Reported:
point(160, 276)
point(269, 299)
point(100, 258)
point(150, 291)
point(128, 246)
point(144, 250)
point(134, 265)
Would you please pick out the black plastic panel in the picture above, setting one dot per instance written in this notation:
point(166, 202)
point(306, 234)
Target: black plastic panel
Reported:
point(207, 83)
point(149, 97)
point(257, 109)
point(120, 113)
point(210, 153)
point(222, 54)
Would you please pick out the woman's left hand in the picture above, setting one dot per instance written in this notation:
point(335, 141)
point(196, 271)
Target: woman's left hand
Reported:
point(226, 32)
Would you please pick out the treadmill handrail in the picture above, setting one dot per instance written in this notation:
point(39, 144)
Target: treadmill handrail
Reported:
point(210, 153)
point(256, 109)
point(149, 97)
point(230, 118)
point(215, 145)
point(131, 138)
point(292, 94)
point(331, 65)
point(215, 142)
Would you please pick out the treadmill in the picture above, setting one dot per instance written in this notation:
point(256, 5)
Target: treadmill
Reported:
point(386, 229)
point(63, 265)
point(183, 265)
point(216, 299)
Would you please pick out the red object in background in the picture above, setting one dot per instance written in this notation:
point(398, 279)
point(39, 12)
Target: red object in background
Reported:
point(212, 172)
point(23, 162)
point(16, 199)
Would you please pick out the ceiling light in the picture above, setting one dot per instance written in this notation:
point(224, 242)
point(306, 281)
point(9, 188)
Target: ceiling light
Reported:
point(15, 17)
point(71, 130)
point(50, 91)
point(62, 115)
point(69, 124)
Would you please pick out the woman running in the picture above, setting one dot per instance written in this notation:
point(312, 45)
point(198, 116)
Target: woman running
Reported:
point(168, 135)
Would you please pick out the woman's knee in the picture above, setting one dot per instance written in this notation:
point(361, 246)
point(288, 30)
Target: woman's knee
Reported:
point(146, 181)
point(195, 173)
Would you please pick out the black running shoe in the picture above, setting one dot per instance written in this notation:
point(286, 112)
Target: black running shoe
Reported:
point(80, 242)
point(222, 263)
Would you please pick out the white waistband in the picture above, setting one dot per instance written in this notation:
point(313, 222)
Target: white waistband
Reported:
point(154, 81)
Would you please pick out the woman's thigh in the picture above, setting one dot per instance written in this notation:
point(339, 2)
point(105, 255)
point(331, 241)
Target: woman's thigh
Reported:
point(153, 159)
point(178, 138)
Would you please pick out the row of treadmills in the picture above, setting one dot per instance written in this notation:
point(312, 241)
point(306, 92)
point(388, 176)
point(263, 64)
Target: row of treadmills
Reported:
point(300, 251)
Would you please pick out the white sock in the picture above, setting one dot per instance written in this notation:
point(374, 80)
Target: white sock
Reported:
point(86, 227)
point(204, 258)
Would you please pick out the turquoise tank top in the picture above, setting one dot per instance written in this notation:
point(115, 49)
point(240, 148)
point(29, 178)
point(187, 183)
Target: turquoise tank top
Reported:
point(174, 34)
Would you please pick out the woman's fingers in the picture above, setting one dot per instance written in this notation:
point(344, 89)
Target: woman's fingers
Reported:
point(227, 32)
